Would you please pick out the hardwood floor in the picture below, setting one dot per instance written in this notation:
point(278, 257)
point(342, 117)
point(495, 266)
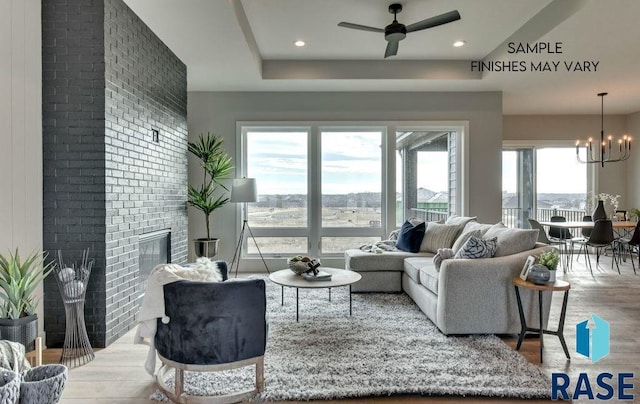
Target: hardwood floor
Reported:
point(117, 374)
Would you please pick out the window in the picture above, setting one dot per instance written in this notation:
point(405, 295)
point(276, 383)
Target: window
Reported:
point(426, 177)
point(322, 188)
point(351, 179)
point(343, 166)
point(518, 187)
point(542, 182)
point(278, 161)
point(561, 184)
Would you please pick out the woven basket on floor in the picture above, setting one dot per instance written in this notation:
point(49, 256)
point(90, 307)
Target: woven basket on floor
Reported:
point(43, 384)
point(9, 386)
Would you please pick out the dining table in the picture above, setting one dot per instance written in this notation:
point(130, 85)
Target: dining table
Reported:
point(625, 225)
point(589, 224)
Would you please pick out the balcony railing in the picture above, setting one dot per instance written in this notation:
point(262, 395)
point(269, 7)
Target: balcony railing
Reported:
point(430, 215)
point(511, 216)
point(572, 215)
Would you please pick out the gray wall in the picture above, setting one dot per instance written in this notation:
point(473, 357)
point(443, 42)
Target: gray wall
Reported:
point(108, 81)
point(145, 181)
point(218, 112)
point(73, 153)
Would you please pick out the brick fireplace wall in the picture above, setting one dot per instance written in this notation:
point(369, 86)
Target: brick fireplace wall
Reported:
point(115, 154)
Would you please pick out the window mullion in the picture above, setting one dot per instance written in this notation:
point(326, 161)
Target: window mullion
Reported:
point(315, 193)
point(389, 180)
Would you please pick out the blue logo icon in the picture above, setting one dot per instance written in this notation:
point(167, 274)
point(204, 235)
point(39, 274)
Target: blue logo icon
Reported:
point(592, 338)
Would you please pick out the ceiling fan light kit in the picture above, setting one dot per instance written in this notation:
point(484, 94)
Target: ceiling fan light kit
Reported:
point(396, 32)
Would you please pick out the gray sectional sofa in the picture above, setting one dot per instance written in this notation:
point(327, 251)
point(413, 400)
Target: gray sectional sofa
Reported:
point(463, 296)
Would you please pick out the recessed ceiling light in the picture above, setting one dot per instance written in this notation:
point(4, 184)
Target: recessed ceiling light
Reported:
point(299, 43)
point(458, 44)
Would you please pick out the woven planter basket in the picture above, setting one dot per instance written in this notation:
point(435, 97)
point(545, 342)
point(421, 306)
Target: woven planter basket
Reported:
point(9, 387)
point(23, 330)
point(43, 384)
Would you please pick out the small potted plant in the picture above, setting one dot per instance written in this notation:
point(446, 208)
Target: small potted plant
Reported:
point(550, 260)
point(18, 281)
point(211, 194)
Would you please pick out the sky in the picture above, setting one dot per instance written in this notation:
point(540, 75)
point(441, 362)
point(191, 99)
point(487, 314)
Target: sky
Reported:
point(558, 171)
point(351, 162)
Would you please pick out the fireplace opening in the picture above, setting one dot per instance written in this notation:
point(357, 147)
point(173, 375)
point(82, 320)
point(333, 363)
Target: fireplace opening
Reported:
point(154, 249)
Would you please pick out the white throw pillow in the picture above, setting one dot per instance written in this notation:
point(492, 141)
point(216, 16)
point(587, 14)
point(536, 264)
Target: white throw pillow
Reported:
point(202, 270)
point(462, 239)
point(477, 226)
point(439, 236)
point(512, 241)
point(462, 220)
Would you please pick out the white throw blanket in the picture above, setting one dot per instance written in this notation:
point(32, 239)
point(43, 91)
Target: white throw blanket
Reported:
point(12, 356)
point(153, 308)
point(379, 246)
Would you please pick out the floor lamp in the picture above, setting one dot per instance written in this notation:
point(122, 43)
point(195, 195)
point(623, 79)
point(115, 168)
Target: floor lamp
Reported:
point(244, 191)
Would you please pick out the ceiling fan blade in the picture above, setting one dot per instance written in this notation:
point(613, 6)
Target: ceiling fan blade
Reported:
point(392, 48)
point(360, 27)
point(441, 19)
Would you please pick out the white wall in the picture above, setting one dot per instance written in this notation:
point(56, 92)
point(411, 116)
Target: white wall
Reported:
point(612, 178)
point(218, 112)
point(633, 164)
point(21, 128)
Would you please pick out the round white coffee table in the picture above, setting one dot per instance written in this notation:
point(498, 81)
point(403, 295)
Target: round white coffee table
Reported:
point(339, 277)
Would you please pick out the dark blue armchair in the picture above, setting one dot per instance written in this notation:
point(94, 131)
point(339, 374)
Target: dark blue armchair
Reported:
point(212, 327)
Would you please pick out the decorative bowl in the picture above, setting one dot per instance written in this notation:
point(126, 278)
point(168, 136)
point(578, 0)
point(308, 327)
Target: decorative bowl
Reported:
point(300, 265)
point(539, 274)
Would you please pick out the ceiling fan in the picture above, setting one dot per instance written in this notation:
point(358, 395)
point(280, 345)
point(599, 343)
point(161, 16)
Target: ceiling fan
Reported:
point(396, 32)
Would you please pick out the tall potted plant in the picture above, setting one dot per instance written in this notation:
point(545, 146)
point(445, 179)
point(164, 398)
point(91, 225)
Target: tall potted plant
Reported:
point(18, 281)
point(211, 194)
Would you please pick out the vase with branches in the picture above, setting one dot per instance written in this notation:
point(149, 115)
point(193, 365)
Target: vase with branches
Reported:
point(211, 194)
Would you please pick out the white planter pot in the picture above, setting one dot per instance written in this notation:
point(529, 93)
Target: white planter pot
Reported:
point(552, 276)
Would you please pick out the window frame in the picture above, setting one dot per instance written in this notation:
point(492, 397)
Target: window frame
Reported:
point(314, 230)
point(535, 145)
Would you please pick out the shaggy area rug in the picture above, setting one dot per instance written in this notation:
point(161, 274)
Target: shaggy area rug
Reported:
point(387, 347)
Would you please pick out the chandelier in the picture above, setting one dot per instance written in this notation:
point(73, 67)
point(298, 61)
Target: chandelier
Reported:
point(604, 152)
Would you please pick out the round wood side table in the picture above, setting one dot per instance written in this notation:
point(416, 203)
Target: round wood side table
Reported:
point(557, 286)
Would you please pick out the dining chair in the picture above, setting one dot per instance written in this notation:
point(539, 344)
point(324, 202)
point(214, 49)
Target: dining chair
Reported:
point(633, 241)
point(622, 215)
point(601, 237)
point(585, 234)
point(559, 232)
point(562, 235)
point(542, 235)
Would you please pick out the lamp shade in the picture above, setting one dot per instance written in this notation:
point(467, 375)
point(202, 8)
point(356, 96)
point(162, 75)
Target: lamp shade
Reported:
point(244, 190)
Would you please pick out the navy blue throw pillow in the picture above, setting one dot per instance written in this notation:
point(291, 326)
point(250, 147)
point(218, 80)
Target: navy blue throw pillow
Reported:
point(410, 237)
